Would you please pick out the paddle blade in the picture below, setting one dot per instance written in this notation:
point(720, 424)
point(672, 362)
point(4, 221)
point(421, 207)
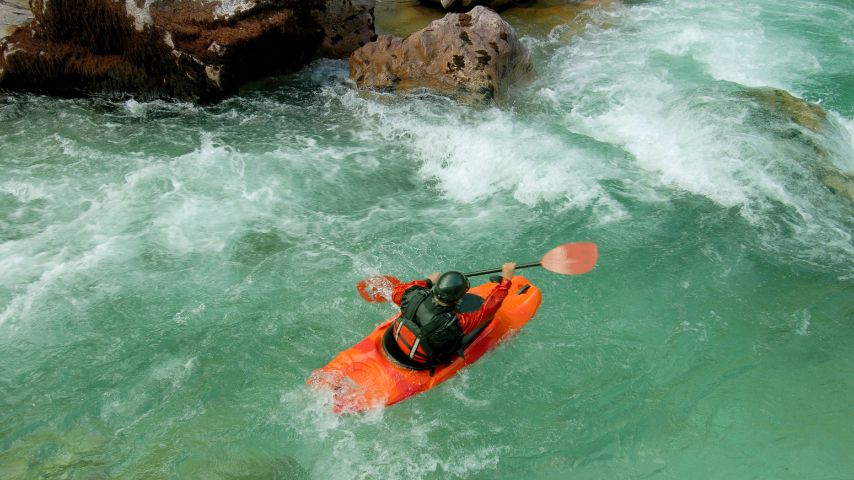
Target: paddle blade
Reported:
point(377, 289)
point(572, 258)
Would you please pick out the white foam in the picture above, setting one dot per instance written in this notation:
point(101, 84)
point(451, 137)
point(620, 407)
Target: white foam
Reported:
point(458, 388)
point(135, 108)
point(727, 37)
point(175, 370)
point(475, 156)
point(179, 200)
point(188, 220)
point(229, 8)
point(802, 323)
point(186, 315)
point(310, 410)
point(616, 87)
point(840, 160)
point(141, 15)
point(367, 446)
point(189, 226)
point(25, 191)
point(23, 304)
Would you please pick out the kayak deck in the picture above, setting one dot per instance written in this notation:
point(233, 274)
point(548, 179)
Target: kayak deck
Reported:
point(364, 377)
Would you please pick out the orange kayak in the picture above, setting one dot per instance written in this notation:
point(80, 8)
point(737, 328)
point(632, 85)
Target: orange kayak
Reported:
point(364, 377)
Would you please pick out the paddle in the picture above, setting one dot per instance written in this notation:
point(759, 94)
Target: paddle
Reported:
point(573, 258)
point(377, 289)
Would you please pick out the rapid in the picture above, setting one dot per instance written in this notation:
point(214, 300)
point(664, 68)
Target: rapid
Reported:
point(170, 274)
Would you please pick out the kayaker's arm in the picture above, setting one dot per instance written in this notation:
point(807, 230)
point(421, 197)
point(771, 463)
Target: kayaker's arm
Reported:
point(472, 320)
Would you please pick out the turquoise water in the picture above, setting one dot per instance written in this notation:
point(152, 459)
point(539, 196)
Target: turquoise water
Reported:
point(171, 274)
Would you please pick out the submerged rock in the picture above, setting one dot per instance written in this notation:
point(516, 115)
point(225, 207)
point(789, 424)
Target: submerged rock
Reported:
point(465, 4)
point(839, 183)
point(473, 57)
point(402, 18)
point(199, 50)
point(540, 18)
point(805, 124)
point(536, 18)
point(802, 112)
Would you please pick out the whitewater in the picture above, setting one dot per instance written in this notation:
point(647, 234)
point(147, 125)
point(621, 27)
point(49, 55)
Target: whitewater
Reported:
point(170, 274)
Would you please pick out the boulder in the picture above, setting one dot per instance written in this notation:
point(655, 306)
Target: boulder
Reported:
point(199, 50)
point(473, 57)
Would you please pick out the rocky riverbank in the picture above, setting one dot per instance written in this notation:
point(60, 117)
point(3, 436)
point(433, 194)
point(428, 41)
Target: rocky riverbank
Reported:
point(185, 49)
point(205, 50)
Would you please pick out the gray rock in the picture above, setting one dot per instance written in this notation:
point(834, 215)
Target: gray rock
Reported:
point(13, 13)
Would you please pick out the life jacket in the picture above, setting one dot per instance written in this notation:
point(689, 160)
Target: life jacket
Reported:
point(427, 334)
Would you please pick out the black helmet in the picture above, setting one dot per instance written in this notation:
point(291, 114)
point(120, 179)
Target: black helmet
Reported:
point(451, 287)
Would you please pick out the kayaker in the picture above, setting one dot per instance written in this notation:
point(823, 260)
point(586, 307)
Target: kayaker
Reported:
point(429, 331)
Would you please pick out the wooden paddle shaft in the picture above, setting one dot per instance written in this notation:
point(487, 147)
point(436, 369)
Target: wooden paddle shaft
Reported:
point(498, 270)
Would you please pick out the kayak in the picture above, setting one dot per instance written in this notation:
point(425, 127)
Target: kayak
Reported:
point(363, 377)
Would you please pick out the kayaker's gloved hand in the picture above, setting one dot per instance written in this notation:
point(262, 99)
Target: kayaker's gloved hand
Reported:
point(508, 269)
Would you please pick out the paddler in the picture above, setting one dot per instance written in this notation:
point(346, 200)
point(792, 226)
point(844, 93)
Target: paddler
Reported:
point(429, 331)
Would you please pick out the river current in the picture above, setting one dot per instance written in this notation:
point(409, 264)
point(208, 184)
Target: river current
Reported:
point(170, 274)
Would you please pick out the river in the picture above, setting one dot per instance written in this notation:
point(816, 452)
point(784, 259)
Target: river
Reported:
point(171, 274)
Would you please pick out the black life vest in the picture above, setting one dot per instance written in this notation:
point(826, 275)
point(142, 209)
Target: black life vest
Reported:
point(428, 334)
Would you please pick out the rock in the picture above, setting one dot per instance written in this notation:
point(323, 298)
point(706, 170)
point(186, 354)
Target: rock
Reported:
point(808, 126)
point(805, 114)
point(347, 25)
point(839, 183)
point(200, 50)
point(13, 13)
point(473, 57)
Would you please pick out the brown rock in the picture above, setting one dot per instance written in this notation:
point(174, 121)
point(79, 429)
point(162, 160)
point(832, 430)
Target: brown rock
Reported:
point(346, 24)
point(472, 56)
point(839, 183)
point(200, 50)
point(798, 110)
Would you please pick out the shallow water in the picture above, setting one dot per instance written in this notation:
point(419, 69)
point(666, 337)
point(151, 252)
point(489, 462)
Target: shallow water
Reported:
point(173, 273)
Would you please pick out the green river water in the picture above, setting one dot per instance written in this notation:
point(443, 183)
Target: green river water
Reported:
point(171, 274)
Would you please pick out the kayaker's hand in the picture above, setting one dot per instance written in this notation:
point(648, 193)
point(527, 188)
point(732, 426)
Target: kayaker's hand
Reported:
point(433, 277)
point(508, 269)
